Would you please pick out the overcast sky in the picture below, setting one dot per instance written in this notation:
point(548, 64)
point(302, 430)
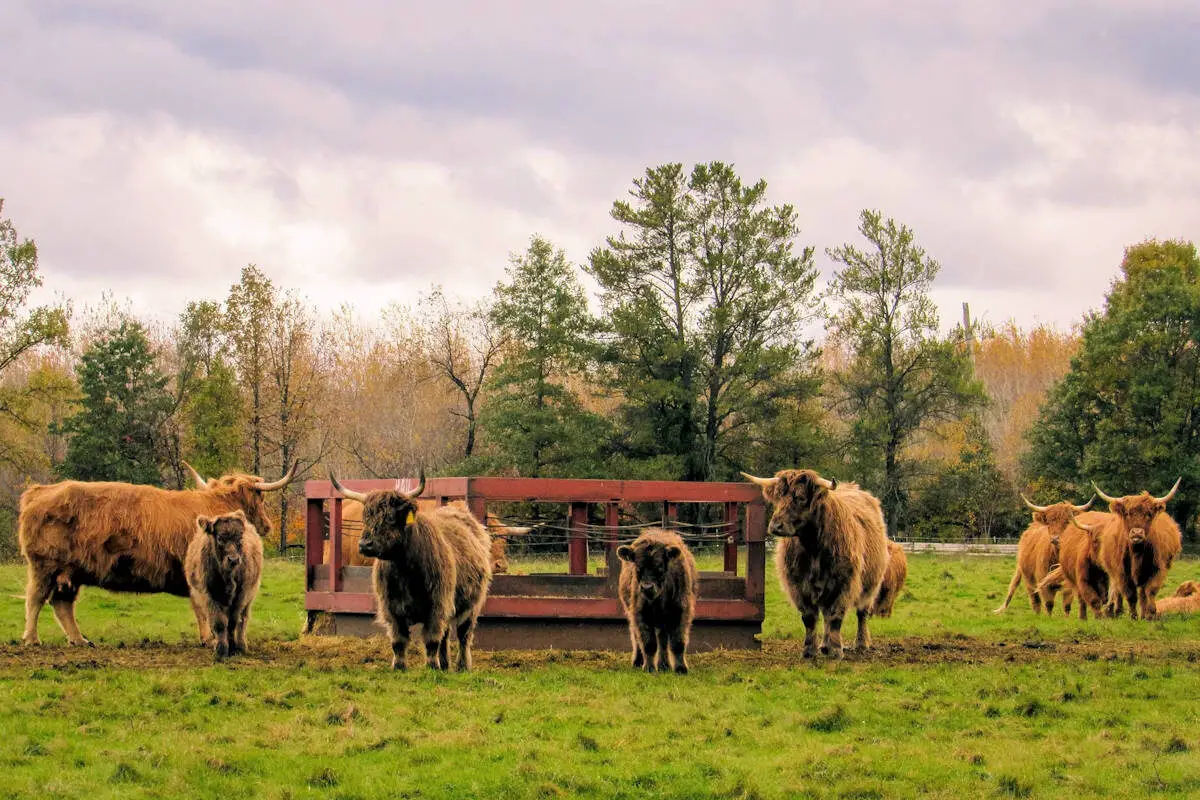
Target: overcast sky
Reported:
point(360, 151)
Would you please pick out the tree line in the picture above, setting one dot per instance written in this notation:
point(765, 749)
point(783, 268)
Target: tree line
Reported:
point(712, 349)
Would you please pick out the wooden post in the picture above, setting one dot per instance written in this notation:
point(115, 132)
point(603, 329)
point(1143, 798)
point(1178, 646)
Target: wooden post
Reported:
point(731, 531)
point(335, 546)
point(756, 550)
point(577, 542)
point(478, 506)
point(314, 541)
point(670, 514)
point(612, 562)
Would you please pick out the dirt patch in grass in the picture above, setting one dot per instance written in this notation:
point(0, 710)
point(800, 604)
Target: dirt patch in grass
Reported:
point(327, 652)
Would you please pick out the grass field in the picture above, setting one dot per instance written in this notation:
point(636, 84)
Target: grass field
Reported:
point(955, 702)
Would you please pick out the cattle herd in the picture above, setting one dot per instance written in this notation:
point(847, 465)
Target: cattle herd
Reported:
point(433, 565)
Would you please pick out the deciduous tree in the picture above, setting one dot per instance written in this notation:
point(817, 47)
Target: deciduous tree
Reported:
point(1127, 415)
point(904, 377)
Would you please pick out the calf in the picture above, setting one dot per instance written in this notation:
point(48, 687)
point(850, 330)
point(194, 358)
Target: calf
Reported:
point(893, 581)
point(658, 592)
point(432, 569)
point(1185, 601)
point(833, 551)
point(223, 567)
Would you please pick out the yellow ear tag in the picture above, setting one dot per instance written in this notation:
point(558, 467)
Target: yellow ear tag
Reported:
point(410, 519)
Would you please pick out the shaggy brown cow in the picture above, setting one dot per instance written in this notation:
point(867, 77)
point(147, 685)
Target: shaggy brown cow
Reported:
point(1186, 600)
point(658, 592)
point(224, 566)
point(122, 537)
point(431, 568)
point(1079, 569)
point(1138, 543)
point(893, 581)
point(833, 554)
point(1038, 554)
point(352, 527)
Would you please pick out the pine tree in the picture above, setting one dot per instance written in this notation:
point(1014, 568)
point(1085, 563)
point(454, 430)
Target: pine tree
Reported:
point(118, 434)
point(533, 418)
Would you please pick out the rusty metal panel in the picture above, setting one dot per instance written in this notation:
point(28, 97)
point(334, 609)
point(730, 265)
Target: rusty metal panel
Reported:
point(434, 487)
point(564, 490)
point(313, 538)
point(340, 601)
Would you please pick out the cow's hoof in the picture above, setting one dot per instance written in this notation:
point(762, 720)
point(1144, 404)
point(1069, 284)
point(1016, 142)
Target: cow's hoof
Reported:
point(399, 666)
point(34, 642)
point(810, 652)
point(681, 669)
point(83, 643)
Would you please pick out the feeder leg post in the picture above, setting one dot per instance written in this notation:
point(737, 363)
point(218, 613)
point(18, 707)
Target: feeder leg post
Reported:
point(731, 532)
point(335, 546)
point(577, 544)
point(611, 561)
point(756, 552)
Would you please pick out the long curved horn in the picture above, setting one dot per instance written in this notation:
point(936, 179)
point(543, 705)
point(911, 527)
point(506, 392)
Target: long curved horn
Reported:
point(420, 485)
point(263, 486)
point(1171, 493)
point(350, 494)
point(763, 482)
point(1103, 496)
point(196, 476)
point(828, 484)
point(1085, 506)
point(1031, 505)
point(1081, 526)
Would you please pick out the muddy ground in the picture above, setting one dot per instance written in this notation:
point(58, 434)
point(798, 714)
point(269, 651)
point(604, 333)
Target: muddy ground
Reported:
point(326, 652)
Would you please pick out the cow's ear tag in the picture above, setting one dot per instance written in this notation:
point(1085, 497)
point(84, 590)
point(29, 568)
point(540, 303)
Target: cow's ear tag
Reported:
point(410, 519)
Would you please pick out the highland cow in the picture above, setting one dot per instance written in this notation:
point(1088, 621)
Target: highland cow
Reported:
point(833, 552)
point(224, 566)
point(1186, 600)
point(1079, 569)
point(431, 569)
point(1038, 554)
point(122, 537)
point(893, 581)
point(658, 593)
point(1138, 543)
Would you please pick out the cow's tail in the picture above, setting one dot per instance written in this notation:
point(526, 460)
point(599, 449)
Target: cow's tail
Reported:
point(1054, 580)
point(1012, 589)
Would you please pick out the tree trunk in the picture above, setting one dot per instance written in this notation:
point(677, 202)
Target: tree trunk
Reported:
point(470, 448)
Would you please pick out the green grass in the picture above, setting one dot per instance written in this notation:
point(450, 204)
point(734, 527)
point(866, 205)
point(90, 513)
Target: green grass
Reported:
point(1107, 709)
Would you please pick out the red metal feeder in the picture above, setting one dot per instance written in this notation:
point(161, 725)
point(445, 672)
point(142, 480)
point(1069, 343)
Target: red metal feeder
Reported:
point(575, 610)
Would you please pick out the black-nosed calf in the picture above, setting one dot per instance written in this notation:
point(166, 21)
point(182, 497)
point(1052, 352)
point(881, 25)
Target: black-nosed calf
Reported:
point(658, 592)
point(223, 567)
point(431, 568)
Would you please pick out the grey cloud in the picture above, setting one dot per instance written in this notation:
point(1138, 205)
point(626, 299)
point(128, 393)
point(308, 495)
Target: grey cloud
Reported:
point(924, 93)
